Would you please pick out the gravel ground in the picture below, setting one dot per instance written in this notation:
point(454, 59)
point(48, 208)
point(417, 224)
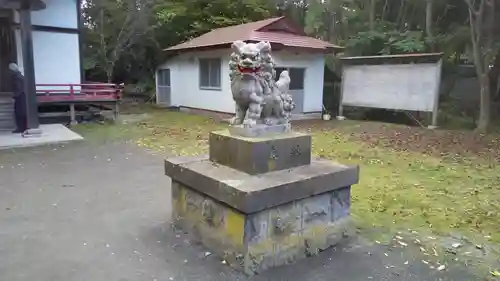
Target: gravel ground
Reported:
point(102, 213)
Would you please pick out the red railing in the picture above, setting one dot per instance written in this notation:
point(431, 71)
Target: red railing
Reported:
point(93, 92)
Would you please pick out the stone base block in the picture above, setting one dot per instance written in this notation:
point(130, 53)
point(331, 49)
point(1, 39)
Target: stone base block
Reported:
point(260, 221)
point(268, 238)
point(260, 155)
point(253, 193)
point(259, 130)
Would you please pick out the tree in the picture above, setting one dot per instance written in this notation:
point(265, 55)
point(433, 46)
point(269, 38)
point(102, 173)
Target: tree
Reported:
point(482, 32)
point(428, 22)
point(372, 12)
point(185, 19)
point(124, 39)
point(112, 29)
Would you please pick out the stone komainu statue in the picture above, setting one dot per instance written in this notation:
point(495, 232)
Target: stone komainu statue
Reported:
point(259, 99)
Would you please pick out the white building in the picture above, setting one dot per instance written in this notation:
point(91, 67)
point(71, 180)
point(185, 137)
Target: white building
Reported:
point(56, 41)
point(197, 73)
point(51, 28)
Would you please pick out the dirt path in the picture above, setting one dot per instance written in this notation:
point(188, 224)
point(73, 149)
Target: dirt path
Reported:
point(102, 212)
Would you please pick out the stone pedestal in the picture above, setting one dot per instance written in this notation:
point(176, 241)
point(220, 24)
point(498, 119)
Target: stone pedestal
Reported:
point(260, 155)
point(261, 202)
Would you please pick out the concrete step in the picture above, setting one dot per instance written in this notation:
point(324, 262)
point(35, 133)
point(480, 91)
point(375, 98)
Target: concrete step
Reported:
point(7, 114)
point(7, 122)
point(7, 126)
point(6, 107)
point(6, 102)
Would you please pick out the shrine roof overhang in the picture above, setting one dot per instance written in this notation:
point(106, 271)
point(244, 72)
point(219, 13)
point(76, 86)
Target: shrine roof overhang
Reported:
point(35, 5)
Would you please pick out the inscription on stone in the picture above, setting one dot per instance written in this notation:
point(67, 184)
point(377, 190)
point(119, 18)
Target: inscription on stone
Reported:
point(286, 220)
point(273, 156)
point(208, 213)
point(314, 216)
point(256, 227)
point(274, 153)
point(296, 151)
point(212, 213)
point(341, 203)
point(317, 209)
point(193, 202)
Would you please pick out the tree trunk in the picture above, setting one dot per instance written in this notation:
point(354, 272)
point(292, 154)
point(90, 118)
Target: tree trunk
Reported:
point(428, 23)
point(494, 75)
point(344, 34)
point(485, 104)
point(402, 15)
point(384, 11)
point(109, 75)
point(373, 4)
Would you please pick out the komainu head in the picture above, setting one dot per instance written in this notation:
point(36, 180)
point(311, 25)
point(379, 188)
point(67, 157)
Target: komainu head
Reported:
point(249, 56)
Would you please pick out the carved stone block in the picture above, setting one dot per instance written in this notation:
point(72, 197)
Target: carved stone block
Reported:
point(259, 130)
point(261, 240)
point(260, 155)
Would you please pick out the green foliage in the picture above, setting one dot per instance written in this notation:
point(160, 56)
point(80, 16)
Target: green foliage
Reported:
point(370, 43)
point(400, 27)
point(124, 39)
point(314, 19)
point(115, 31)
point(455, 40)
point(183, 19)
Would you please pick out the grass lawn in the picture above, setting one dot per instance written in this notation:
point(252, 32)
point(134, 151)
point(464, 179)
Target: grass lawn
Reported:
point(436, 181)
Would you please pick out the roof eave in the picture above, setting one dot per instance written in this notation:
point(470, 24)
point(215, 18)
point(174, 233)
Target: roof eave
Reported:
point(409, 58)
point(197, 48)
point(35, 5)
point(276, 46)
point(298, 31)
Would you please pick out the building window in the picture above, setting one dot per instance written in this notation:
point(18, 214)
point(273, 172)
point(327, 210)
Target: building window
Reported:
point(297, 76)
point(163, 90)
point(210, 74)
point(164, 78)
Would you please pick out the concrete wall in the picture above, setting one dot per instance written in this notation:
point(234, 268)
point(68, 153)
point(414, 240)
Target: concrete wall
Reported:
point(185, 80)
point(392, 86)
point(56, 54)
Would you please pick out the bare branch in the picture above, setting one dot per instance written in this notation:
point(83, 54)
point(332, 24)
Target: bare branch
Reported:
point(132, 24)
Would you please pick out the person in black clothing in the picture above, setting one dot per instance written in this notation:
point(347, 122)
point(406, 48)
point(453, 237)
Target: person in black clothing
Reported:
point(19, 99)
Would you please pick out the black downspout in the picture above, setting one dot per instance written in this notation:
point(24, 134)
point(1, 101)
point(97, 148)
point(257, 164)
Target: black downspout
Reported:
point(28, 65)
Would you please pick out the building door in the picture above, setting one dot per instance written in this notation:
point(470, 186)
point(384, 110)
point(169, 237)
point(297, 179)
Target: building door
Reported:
point(297, 76)
point(163, 95)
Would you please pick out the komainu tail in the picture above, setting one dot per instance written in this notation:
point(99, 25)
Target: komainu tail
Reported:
point(283, 83)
